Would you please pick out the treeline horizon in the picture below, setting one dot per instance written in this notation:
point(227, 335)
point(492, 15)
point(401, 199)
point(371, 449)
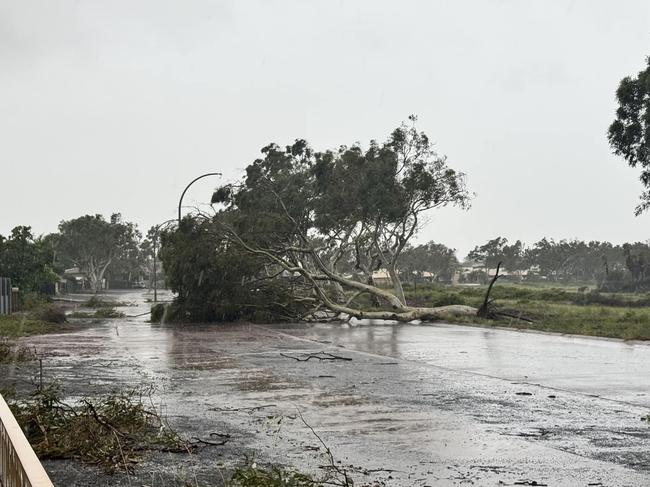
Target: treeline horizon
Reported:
point(561, 260)
point(34, 260)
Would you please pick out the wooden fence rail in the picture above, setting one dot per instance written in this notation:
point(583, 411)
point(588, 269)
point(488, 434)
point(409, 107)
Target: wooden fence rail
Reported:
point(19, 465)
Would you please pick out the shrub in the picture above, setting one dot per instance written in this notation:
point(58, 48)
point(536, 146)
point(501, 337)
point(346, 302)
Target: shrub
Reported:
point(50, 314)
point(445, 299)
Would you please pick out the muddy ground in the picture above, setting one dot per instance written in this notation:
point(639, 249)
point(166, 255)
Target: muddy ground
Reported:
point(414, 405)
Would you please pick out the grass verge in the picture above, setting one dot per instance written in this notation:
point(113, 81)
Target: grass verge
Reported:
point(18, 325)
point(561, 310)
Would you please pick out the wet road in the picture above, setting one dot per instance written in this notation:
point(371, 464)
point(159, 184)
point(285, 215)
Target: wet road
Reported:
point(611, 369)
point(416, 404)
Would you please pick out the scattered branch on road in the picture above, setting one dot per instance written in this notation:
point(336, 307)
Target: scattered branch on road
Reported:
point(247, 409)
point(226, 438)
point(319, 355)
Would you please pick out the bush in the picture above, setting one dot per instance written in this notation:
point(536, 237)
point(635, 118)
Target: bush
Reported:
point(50, 314)
point(447, 298)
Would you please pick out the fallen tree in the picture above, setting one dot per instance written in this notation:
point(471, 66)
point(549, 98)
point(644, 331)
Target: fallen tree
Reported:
point(331, 219)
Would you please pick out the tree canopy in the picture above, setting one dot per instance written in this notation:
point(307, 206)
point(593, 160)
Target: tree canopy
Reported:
point(27, 260)
point(629, 133)
point(314, 214)
point(93, 244)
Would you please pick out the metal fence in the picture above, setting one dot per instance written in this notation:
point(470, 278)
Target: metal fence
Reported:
point(5, 296)
point(19, 465)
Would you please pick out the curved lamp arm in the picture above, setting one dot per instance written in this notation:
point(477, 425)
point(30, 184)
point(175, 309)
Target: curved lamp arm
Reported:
point(180, 202)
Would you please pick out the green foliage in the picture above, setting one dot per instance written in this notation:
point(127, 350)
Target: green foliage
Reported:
point(97, 245)
point(629, 133)
point(27, 261)
point(34, 301)
point(562, 310)
point(18, 325)
point(218, 281)
point(444, 299)
point(436, 259)
point(100, 313)
point(491, 253)
point(351, 210)
point(108, 431)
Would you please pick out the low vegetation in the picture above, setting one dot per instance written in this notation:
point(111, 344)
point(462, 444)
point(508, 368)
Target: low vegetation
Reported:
point(109, 431)
point(49, 313)
point(250, 475)
point(10, 352)
point(562, 310)
point(20, 325)
point(101, 313)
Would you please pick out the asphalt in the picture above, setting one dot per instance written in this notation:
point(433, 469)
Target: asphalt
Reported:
point(402, 405)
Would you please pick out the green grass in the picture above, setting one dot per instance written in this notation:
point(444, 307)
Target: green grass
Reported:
point(555, 309)
point(17, 325)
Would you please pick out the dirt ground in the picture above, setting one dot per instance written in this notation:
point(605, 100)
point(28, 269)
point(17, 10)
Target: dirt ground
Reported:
point(414, 405)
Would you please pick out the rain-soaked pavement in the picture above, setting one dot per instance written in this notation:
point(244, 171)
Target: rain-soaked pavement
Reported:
point(416, 405)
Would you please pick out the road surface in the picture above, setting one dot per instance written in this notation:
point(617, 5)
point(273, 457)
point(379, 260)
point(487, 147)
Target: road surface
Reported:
point(415, 405)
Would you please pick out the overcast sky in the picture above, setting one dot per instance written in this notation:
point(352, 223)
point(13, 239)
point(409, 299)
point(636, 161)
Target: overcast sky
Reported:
point(114, 106)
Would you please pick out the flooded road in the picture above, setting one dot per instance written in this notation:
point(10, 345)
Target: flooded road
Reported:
point(412, 405)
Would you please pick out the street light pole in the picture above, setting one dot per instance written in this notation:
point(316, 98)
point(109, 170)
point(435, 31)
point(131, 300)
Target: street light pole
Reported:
point(180, 202)
point(155, 255)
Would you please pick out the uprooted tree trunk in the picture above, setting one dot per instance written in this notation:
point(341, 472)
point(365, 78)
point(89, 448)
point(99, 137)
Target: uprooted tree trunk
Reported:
point(317, 274)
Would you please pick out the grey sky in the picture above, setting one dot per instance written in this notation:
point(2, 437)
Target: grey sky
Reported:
point(115, 105)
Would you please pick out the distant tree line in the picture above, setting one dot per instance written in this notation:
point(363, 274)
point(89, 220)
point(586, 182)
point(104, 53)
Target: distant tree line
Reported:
point(99, 249)
point(610, 267)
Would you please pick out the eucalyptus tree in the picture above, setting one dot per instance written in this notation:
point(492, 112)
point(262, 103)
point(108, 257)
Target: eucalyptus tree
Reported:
point(629, 133)
point(437, 259)
point(94, 244)
point(314, 213)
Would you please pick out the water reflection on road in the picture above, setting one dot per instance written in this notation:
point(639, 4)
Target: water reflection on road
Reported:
point(613, 369)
